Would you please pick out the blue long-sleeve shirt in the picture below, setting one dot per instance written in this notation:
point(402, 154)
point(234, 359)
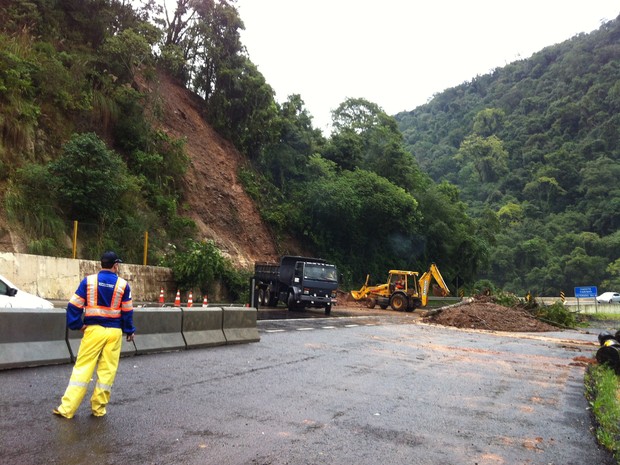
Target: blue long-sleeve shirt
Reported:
point(102, 299)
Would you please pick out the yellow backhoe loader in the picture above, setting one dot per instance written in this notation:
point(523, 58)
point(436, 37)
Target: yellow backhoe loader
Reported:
point(403, 290)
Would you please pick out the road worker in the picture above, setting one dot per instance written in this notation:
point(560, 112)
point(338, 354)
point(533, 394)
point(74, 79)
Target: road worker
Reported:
point(102, 309)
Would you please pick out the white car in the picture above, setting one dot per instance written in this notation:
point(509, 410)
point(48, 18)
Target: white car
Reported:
point(11, 297)
point(608, 298)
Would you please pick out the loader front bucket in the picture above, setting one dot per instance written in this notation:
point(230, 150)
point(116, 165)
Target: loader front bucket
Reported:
point(363, 292)
point(359, 295)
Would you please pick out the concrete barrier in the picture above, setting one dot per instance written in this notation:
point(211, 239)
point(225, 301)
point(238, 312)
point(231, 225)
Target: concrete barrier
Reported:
point(596, 308)
point(202, 327)
point(31, 337)
point(74, 338)
point(239, 325)
point(158, 329)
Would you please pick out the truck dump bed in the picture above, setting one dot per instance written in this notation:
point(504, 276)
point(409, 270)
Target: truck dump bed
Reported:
point(266, 271)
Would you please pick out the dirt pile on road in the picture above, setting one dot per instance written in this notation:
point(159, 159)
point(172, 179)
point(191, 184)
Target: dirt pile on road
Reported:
point(483, 313)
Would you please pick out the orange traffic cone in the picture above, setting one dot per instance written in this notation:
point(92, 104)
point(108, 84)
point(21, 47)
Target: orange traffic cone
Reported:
point(190, 300)
point(177, 299)
point(161, 297)
point(205, 301)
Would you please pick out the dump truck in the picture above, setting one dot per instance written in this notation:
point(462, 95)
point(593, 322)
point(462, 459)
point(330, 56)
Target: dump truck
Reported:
point(402, 291)
point(298, 282)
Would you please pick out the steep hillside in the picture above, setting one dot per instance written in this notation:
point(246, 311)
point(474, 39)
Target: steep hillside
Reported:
point(535, 144)
point(214, 198)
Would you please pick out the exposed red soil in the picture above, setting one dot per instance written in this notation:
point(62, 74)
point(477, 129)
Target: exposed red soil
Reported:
point(213, 196)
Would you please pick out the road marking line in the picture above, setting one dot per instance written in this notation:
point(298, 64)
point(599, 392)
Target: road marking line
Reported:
point(329, 327)
point(305, 329)
point(275, 330)
point(350, 326)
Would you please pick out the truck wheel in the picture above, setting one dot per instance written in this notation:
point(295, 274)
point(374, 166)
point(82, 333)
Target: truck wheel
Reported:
point(370, 303)
point(272, 299)
point(328, 309)
point(398, 302)
point(290, 302)
point(261, 297)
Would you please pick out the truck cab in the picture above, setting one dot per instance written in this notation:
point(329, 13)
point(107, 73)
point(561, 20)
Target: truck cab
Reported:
point(297, 282)
point(314, 284)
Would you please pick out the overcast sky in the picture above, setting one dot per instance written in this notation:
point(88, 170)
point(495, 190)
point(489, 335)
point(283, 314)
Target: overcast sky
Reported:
point(399, 53)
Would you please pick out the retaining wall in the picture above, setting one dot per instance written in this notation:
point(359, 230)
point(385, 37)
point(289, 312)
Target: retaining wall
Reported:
point(57, 278)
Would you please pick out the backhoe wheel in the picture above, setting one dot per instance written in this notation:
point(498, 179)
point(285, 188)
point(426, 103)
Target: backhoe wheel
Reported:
point(370, 302)
point(328, 309)
point(398, 302)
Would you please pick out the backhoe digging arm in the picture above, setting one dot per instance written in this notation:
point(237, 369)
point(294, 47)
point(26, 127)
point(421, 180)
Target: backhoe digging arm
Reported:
point(425, 283)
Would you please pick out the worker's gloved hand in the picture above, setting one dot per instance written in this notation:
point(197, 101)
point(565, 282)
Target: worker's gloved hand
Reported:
point(130, 337)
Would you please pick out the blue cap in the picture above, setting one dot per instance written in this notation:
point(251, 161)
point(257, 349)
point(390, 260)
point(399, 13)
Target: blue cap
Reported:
point(109, 258)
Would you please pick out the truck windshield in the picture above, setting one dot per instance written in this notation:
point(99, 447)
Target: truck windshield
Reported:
point(322, 272)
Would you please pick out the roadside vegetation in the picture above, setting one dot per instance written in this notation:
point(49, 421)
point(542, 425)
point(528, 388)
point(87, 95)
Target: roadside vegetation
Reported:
point(201, 266)
point(602, 390)
point(601, 384)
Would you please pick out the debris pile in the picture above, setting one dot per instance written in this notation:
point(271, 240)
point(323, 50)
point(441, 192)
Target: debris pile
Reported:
point(482, 313)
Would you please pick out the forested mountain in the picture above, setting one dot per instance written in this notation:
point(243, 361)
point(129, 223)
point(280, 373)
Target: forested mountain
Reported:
point(511, 177)
point(537, 143)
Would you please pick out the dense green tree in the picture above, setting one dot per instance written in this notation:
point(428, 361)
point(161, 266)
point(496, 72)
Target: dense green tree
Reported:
point(486, 154)
point(613, 282)
point(285, 158)
point(243, 109)
point(545, 190)
point(366, 223)
point(346, 149)
point(365, 136)
point(89, 178)
point(601, 193)
point(488, 122)
point(458, 244)
point(128, 50)
point(216, 47)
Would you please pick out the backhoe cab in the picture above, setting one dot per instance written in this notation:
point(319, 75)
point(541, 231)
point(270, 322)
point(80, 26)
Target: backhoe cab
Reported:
point(404, 291)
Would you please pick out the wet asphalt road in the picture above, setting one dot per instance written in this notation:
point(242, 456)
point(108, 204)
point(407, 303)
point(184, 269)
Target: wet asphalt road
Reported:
point(363, 389)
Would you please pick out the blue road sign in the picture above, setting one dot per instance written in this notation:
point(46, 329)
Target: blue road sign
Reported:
point(586, 291)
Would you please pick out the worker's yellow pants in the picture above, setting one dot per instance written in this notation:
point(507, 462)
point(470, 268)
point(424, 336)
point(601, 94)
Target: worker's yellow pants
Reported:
point(101, 348)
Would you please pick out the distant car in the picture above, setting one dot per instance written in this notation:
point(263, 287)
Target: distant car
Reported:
point(11, 297)
point(608, 298)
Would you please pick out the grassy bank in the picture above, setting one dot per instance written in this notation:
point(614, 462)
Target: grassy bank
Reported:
point(601, 386)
